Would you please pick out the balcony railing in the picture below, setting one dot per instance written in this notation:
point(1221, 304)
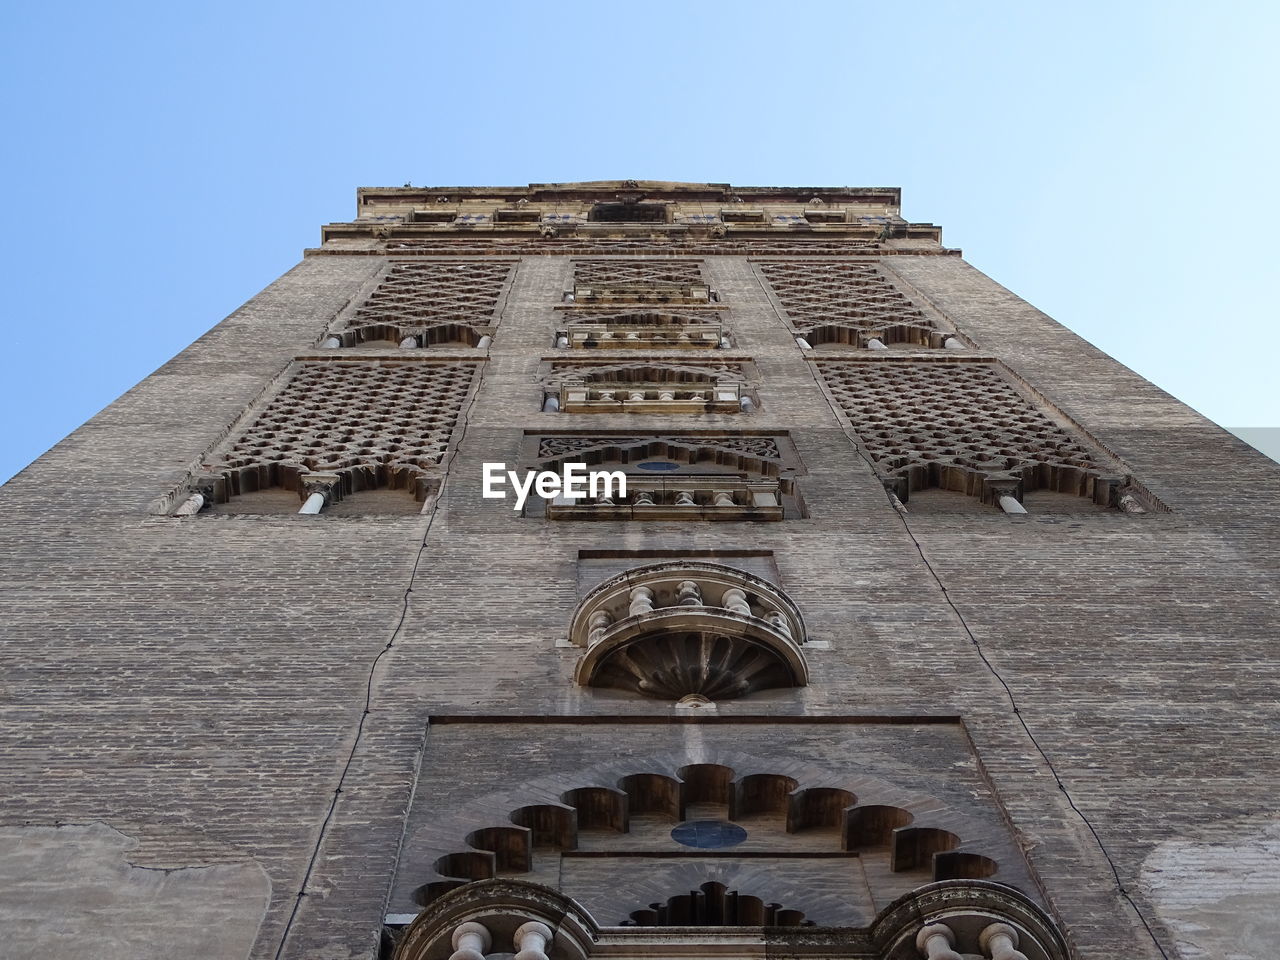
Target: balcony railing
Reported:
point(686, 628)
point(678, 498)
point(578, 396)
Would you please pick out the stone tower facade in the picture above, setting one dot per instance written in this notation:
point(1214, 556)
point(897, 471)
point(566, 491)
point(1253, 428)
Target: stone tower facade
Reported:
point(910, 625)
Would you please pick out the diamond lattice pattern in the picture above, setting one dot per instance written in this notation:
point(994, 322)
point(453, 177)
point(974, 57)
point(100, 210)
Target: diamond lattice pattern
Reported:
point(604, 273)
point(856, 296)
point(337, 415)
point(421, 294)
point(917, 417)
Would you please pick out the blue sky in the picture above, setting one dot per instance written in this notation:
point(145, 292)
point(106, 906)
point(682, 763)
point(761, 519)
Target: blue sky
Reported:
point(1112, 163)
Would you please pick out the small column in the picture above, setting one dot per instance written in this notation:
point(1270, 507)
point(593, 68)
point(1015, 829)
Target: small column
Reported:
point(688, 594)
point(319, 490)
point(666, 395)
point(483, 342)
point(600, 622)
point(531, 940)
point(685, 499)
point(644, 498)
point(191, 506)
point(561, 341)
point(409, 343)
point(875, 343)
point(551, 404)
point(803, 343)
point(779, 620)
point(1005, 494)
point(1130, 504)
point(331, 343)
point(1000, 942)
point(635, 395)
point(935, 942)
point(725, 342)
point(747, 404)
point(723, 498)
point(641, 601)
point(735, 601)
point(1009, 504)
point(953, 343)
point(471, 941)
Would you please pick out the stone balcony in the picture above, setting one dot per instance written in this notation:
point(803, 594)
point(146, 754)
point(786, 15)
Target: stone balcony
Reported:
point(679, 498)
point(631, 336)
point(689, 629)
point(579, 396)
point(694, 294)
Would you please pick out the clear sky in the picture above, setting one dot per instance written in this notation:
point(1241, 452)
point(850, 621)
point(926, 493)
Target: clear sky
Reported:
point(1113, 163)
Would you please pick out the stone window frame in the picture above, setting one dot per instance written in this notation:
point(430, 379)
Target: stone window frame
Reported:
point(215, 479)
point(760, 476)
point(471, 327)
point(730, 390)
point(1110, 481)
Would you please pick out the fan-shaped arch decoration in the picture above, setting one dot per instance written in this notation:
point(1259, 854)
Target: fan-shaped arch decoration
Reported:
point(671, 630)
point(715, 905)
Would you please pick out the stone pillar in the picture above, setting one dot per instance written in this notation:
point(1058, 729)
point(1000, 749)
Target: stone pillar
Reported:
point(471, 941)
point(935, 942)
point(600, 622)
point(641, 601)
point(1000, 942)
point(319, 490)
point(875, 343)
point(688, 594)
point(191, 506)
point(531, 941)
point(735, 600)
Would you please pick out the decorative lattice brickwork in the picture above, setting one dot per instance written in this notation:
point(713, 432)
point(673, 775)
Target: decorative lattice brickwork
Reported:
point(335, 416)
point(847, 302)
point(726, 246)
point(639, 317)
point(646, 371)
point(604, 273)
point(959, 426)
point(438, 300)
point(762, 448)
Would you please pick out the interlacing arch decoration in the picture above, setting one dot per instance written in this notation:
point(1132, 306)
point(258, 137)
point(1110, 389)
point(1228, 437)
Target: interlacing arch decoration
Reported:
point(432, 302)
point(715, 905)
point(347, 425)
point(848, 302)
point(908, 840)
point(961, 425)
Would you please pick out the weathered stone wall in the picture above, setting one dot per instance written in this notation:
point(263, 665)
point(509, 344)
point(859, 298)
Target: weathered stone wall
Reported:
point(199, 684)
